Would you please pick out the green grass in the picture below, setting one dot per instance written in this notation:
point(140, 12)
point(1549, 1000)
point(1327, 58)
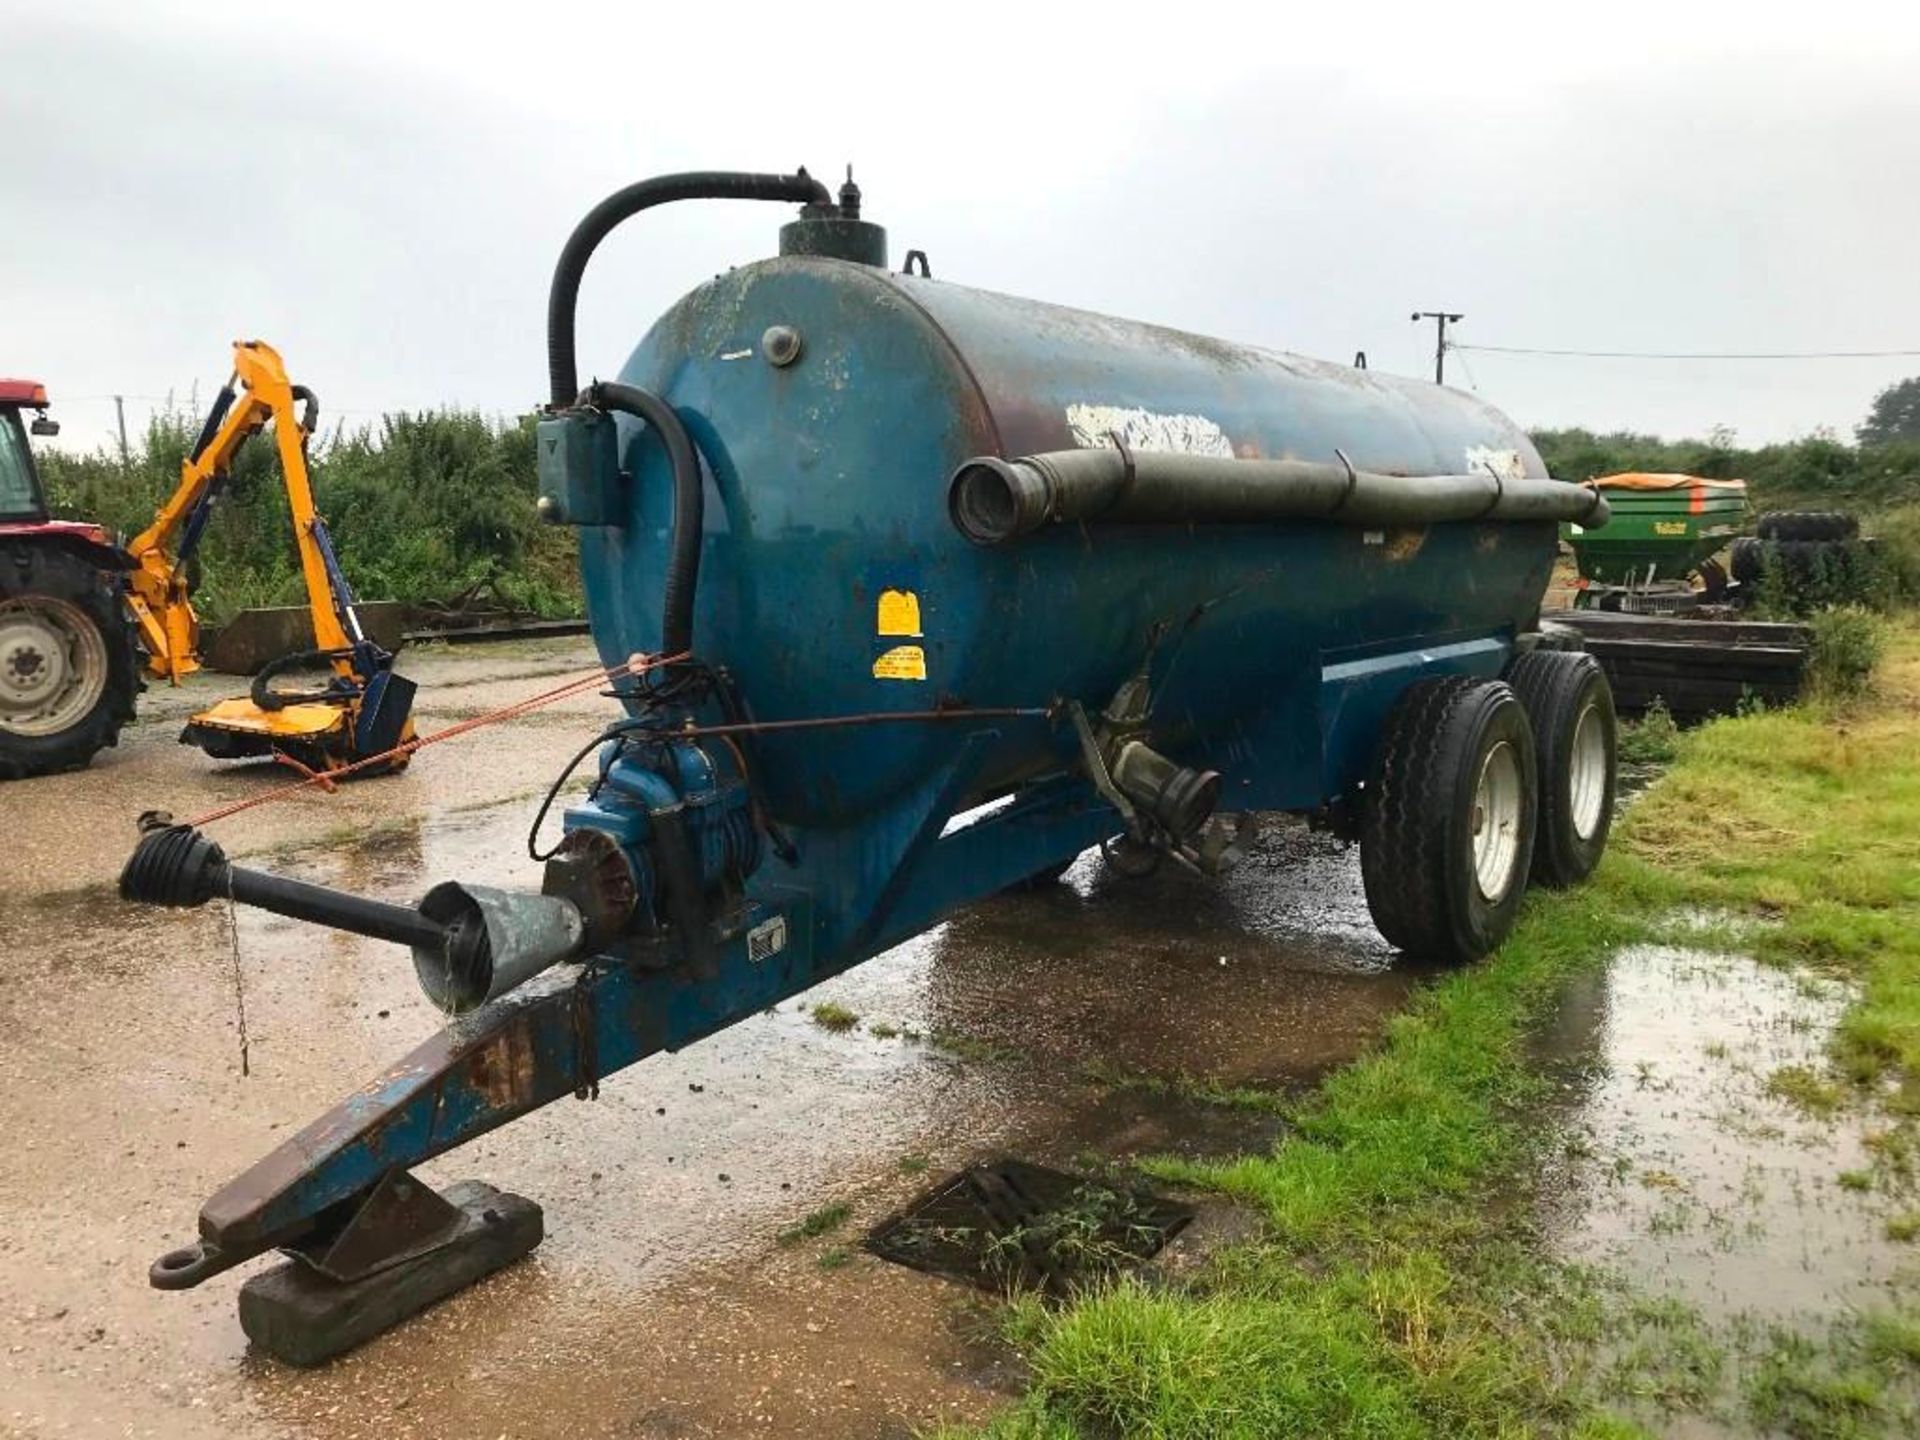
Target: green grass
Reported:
point(830, 1016)
point(1653, 739)
point(1385, 1298)
point(962, 1046)
point(821, 1222)
point(1807, 1090)
point(1188, 1087)
point(1853, 1383)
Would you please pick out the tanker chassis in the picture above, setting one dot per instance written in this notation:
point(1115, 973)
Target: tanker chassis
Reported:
point(913, 592)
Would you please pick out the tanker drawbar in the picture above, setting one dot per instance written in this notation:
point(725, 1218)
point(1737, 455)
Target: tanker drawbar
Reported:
point(909, 593)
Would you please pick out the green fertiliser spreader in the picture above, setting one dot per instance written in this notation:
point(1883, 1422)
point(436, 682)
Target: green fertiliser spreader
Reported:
point(1663, 529)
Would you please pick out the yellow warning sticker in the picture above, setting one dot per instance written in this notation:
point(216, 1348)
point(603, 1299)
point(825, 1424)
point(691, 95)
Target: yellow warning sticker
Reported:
point(902, 662)
point(899, 615)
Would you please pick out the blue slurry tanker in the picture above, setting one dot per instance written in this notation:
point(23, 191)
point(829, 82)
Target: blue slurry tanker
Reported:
point(911, 593)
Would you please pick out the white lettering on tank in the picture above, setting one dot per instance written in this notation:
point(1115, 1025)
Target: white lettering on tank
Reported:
point(1501, 464)
point(1095, 425)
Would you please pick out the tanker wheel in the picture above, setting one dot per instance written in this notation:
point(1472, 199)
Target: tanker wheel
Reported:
point(1446, 831)
point(1570, 703)
point(68, 674)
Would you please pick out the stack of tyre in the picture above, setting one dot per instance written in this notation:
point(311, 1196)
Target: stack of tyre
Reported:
point(1808, 549)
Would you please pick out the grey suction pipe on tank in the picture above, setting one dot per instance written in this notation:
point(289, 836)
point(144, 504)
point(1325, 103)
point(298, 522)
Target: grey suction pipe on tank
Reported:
point(993, 500)
point(563, 295)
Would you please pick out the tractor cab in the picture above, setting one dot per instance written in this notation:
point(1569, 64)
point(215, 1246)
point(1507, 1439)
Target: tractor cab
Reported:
point(21, 499)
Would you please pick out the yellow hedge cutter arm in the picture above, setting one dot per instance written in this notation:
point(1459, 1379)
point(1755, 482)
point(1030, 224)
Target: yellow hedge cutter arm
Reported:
point(363, 708)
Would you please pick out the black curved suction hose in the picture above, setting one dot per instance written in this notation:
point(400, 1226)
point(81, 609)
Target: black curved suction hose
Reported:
point(800, 189)
point(689, 504)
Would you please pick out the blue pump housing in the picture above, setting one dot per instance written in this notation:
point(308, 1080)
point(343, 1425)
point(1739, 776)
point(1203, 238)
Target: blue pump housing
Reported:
point(641, 785)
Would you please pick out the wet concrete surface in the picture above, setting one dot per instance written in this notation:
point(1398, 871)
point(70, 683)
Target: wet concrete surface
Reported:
point(149, 770)
point(661, 1303)
point(1685, 1175)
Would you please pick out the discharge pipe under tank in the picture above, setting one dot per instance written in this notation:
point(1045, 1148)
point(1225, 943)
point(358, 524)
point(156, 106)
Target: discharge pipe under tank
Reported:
point(993, 500)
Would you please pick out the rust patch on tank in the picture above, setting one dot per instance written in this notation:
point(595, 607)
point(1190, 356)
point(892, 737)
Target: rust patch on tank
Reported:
point(1403, 544)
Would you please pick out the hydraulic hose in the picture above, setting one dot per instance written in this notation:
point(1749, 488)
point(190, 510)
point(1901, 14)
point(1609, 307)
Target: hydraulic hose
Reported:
point(992, 501)
point(266, 697)
point(689, 505)
point(564, 294)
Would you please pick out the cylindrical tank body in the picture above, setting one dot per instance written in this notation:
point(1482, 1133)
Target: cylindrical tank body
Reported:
point(826, 507)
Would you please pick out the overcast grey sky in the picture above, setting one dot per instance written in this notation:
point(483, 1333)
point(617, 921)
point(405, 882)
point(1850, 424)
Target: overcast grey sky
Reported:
point(380, 189)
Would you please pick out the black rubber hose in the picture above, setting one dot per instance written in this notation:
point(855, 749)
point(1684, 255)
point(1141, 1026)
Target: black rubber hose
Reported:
point(564, 294)
point(222, 403)
point(689, 505)
point(265, 697)
point(311, 419)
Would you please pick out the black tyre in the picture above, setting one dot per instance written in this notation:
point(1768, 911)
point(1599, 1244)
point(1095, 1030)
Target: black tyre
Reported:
point(68, 672)
point(1446, 832)
point(1570, 703)
point(1807, 525)
point(1749, 558)
point(1814, 562)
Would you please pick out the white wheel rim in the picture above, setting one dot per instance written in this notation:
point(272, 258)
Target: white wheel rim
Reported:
point(1496, 821)
point(1587, 772)
point(53, 665)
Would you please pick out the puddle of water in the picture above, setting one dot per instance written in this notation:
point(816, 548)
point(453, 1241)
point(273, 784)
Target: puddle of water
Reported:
point(1688, 1178)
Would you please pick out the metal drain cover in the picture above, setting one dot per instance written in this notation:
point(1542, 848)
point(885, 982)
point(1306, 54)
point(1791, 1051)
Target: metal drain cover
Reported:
point(1010, 1224)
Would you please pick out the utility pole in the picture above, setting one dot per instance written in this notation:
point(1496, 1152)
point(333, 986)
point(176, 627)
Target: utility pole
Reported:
point(1444, 319)
point(120, 415)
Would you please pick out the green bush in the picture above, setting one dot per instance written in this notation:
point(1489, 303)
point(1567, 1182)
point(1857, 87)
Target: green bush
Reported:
point(422, 507)
point(1848, 642)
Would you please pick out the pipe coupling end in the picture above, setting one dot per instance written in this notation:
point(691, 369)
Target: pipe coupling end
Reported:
point(992, 500)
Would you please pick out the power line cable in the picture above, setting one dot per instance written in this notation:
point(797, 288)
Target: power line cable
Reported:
point(1692, 354)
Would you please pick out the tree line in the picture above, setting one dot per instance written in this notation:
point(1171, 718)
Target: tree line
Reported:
point(427, 506)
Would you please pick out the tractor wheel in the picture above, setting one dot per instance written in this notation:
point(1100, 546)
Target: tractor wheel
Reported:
point(68, 673)
point(1446, 837)
point(1807, 525)
point(1570, 703)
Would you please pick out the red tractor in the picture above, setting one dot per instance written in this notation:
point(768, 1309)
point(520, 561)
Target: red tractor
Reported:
point(68, 671)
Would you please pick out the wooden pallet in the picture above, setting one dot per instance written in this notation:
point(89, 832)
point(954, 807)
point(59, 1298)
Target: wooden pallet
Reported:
point(1698, 667)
